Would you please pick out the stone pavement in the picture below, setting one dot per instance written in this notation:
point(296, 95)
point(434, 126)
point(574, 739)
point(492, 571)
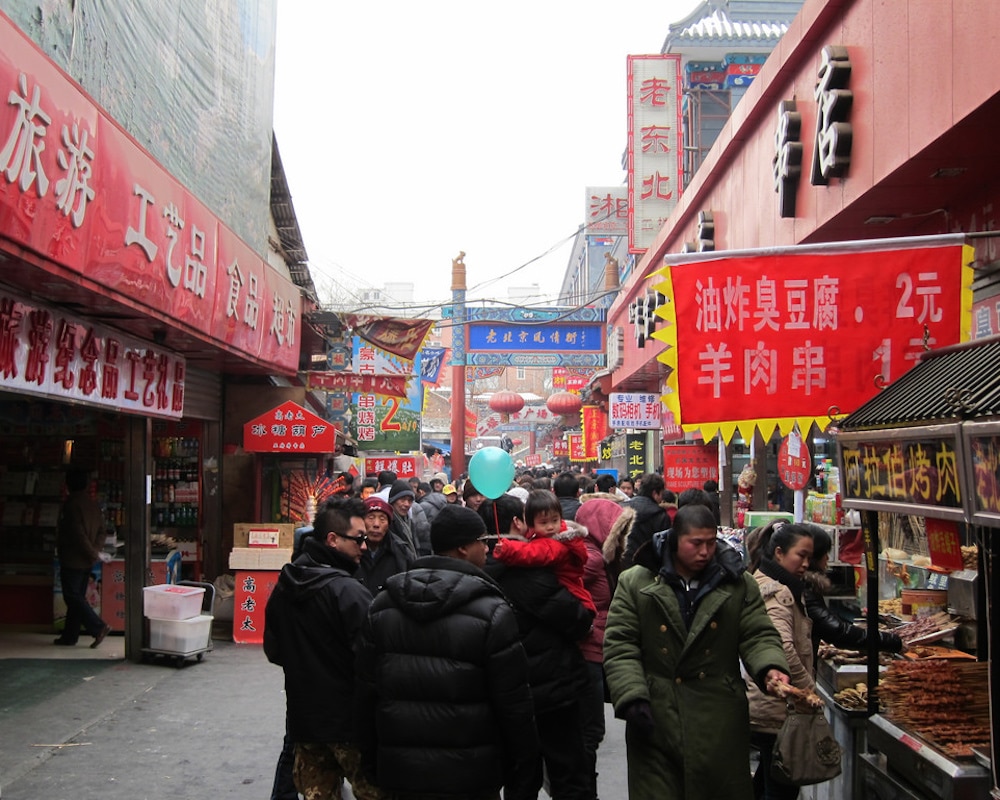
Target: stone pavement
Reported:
point(82, 729)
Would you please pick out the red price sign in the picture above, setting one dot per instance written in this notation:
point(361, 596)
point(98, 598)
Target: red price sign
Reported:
point(794, 462)
point(944, 544)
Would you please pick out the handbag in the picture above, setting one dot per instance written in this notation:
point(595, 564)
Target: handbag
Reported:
point(805, 751)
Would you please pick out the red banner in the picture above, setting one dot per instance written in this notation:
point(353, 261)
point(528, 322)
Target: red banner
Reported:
point(400, 336)
point(944, 543)
point(289, 428)
point(688, 466)
point(595, 428)
point(403, 466)
point(767, 340)
point(560, 448)
point(576, 451)
point(82, 193)
point(388, 385)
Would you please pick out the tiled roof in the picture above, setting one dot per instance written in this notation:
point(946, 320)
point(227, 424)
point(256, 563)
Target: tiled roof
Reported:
point(718, 25)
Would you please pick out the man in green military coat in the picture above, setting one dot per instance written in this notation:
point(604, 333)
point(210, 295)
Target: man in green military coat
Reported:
point(680, 622)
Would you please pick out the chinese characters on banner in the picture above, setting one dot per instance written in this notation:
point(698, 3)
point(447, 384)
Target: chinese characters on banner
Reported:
point(984, 456)
point(781, 338)
point(688, 466)
point(289, 428)
point(77, 189)
point(794, 462)
point(560, 448)
point(607, 211)
point(387, 385)
point(385, 422)
point(403, 466)
point(252, 591)
point(548, 337)
point(595, 428)
point(654, 145)
point(944, 544)
point(924, 471)
point(634, 411)
point(575, 446)
point(571, 379)
point(44, 351)
point(635, 455)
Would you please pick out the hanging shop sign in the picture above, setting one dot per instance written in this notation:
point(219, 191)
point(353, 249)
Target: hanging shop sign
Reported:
point(982, 448)
point(607, 211)
point(794, 462)
point(802, 330)
point(387, 385)
point(46, 352)
point(289, 428)
point(560, 448)
point(402, 337)
point(635, 455)
point(655, 150)
point(576, 452)
point(634, 410)
point(688, 466)
point(919, 469)
point(594, 424)
point(75, 188)
point(403, 466)
point(431, 362)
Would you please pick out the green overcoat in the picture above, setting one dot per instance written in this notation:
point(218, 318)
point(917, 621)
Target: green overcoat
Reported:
point(701, 742)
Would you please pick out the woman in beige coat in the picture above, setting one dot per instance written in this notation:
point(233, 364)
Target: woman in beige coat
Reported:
point(780, 555)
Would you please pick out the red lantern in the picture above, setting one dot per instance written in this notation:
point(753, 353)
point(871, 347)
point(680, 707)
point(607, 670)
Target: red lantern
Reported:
point(518, 442)
point(506, 403)
point(564, 403)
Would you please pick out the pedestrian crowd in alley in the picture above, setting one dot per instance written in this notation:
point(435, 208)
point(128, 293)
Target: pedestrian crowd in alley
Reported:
point(438, 643)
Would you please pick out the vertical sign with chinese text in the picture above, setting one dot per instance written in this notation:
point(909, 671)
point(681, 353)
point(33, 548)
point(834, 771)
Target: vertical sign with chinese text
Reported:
point(635, 455)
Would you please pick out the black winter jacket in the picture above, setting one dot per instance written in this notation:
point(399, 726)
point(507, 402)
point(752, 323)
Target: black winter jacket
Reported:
point(551, 622)
point(650, 518)
point(444, 704)
point(829, 628)
point(312, 622)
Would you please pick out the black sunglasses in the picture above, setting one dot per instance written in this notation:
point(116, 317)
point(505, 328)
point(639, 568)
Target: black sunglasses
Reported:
point(356, 539)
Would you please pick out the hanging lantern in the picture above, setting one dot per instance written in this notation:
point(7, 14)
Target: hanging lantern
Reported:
point(564, 404)
point(506, 403)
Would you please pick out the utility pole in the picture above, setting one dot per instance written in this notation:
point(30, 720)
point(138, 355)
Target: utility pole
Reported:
point(458, 366)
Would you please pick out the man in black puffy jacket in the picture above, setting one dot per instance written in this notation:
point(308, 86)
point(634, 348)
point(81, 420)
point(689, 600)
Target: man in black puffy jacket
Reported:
point(312, 621)
point(444, 705)
point(650, 517)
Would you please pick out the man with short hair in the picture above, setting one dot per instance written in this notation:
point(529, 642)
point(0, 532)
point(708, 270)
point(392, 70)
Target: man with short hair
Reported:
point(650, 517)
point(409, 521)
point(626, 487)
point(312, 620)
point(567, 489)
point(445, 706)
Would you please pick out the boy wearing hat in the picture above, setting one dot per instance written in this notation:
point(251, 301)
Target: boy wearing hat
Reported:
point(386, 553)
point(444, 697)
point(450, 493)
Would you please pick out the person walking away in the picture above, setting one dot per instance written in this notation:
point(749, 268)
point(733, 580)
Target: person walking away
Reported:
point(312, 622)
point(550, 543)
point(680, 622)
point(650, 518)
point(782, 554)
point(433, 501)
point(552, 623)
point(80, 538)
point(445, 705)
point(567, 488)
point(385, 553)
point(600, 517)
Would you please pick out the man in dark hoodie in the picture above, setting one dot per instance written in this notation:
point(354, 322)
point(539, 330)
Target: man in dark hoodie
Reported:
point(312, 621)
point(650, 517)
point(444, 705)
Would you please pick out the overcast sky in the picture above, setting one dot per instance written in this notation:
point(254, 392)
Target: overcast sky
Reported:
point(411, 131)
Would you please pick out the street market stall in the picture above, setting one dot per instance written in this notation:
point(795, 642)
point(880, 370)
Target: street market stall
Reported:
point(920, 462)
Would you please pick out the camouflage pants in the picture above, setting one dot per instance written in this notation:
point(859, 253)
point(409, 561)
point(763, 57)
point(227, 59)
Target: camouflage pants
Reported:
point(321, 767)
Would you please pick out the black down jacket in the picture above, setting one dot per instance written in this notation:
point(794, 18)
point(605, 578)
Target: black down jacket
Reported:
point(552, 622)
point(444, 705)
point(650, 518)
point(312, 621)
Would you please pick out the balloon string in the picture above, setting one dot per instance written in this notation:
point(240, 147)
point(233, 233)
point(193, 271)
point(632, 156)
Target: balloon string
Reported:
point(496, 518)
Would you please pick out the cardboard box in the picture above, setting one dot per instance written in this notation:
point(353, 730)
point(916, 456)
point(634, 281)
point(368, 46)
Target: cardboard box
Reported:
point(273, 559)
point(264, 534)
point(245, 558)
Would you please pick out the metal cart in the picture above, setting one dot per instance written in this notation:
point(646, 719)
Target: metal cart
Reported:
point(200, 647)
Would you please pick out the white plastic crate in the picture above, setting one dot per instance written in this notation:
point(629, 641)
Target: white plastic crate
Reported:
point(168, 601)
point(180, 636)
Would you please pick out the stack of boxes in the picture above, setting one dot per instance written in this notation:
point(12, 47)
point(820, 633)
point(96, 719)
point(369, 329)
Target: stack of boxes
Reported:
point(176, 624)
point(259, 552)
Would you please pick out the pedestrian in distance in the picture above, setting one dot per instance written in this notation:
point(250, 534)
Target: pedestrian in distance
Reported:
point(650, 518)
point(444, 703)
point(312, 622)
point(80, 536)
point(680, 623)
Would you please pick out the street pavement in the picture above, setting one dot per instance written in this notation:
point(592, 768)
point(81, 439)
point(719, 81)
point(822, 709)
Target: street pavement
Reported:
point(114, 730)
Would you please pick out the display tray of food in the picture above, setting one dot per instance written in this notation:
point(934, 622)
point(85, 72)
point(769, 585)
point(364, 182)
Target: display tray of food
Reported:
point(922, 652)
point(853, 700)
point(928, 629)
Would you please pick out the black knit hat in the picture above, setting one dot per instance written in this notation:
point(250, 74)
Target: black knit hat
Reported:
point(454, 526)
point(400, 489)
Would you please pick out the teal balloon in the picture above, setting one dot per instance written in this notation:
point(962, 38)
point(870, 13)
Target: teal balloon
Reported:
point(491, 471)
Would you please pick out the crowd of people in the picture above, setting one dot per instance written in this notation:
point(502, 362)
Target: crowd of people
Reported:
point(437, 643)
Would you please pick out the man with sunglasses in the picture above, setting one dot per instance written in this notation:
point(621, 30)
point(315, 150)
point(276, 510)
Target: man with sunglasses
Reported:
point(445, 706)
point(312, 620)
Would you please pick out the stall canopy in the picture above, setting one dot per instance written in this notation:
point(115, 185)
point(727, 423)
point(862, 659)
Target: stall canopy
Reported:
point(781, 337)
point(289, 428)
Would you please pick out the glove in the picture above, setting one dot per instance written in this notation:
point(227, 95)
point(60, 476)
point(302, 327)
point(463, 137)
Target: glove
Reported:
point(105, 556)
point(639, 716)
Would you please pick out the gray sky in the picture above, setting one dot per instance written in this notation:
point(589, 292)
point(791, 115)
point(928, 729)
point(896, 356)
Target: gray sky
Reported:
point(411, 131)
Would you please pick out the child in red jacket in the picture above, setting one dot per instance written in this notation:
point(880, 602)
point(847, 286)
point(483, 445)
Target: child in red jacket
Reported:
point(550, 543)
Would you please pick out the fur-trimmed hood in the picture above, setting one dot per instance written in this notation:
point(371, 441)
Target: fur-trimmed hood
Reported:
point(614, 545)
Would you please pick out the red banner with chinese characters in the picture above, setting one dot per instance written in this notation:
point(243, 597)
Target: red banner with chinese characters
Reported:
point(765, 341)
point(688, 466)
point(560, 448)
point(387, 385)
point(403, 466)
point(595, 428)
point(944, 543)
point(575, 444)
point(289, 428)
point(90, 199)
point(251, 593)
